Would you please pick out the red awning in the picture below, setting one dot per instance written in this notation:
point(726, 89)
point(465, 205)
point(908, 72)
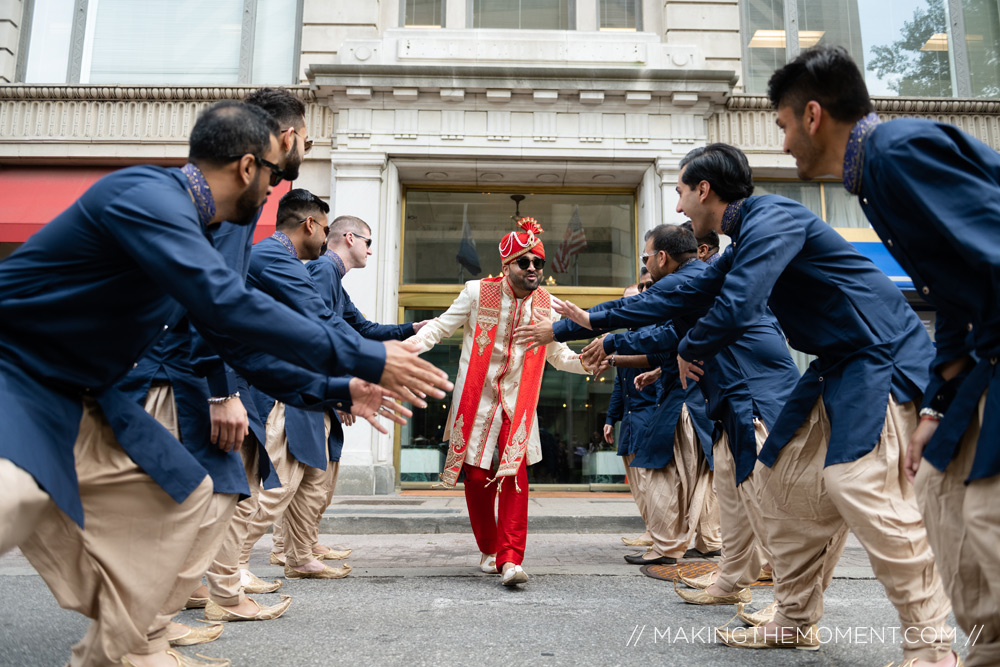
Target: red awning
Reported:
point(31, 196)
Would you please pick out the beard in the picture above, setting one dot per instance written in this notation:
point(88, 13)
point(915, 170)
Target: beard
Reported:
point(248, 205)
point(293, 160)
point(525, 282)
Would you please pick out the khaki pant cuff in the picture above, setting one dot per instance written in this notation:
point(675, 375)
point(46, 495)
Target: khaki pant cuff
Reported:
point(228, 600)
point(783, 621)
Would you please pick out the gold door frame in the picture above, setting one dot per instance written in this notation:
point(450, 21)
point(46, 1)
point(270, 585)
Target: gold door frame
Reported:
point(431, 296)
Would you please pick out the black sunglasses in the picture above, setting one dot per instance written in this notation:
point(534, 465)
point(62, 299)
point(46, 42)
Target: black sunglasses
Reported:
point(368, 241)
point(326, 228)
point(524, 263)
point(277, 173)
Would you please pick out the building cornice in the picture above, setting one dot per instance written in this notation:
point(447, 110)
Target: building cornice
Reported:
point(98, 93)
point(889, 105)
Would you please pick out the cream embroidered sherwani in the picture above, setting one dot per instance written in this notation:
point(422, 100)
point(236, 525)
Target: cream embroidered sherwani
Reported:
point(504, 374)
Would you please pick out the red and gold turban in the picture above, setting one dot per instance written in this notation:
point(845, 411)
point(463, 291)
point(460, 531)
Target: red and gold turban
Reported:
point(516, 244)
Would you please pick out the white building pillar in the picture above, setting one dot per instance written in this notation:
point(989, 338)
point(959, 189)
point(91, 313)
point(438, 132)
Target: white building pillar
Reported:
point(358, 188)
point(666, 169)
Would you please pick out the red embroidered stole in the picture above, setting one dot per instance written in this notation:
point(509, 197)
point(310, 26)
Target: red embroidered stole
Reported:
point(487, 318)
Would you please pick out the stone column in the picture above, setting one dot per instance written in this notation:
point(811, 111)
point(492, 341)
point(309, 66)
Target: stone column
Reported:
point(358, 188)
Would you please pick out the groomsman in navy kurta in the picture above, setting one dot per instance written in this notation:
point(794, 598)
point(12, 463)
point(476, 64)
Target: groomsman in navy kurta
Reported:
point(80, 302)
point(833, 455)
point(932, 193)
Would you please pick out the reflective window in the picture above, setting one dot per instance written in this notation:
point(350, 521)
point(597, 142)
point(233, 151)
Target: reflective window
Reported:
point(908, 48)
point(163, 42)
point(829, 200)
point(523, 14)
point(423, 13)
point(571, 413)
point(451, 237)
point(622, 15)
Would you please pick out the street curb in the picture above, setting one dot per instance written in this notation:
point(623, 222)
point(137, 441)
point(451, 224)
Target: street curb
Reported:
point(340, 524)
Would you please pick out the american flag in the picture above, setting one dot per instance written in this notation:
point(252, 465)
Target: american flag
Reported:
point(574, 242)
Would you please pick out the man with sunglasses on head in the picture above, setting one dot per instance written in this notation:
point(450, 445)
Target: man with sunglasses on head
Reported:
point(496, 395)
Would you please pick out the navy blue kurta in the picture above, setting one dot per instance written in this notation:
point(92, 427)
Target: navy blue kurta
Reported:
point(89, 295)
point(632, 408)
point(932, 193)
point(830, 300)
point(751, 378)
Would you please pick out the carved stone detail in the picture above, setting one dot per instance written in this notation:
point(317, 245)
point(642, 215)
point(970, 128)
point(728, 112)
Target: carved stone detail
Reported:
point(637, 128)
point(498, 125)
point(406, 124)
point(453, 125)
point(152, 93)
point(592, 127)
point(545, 126)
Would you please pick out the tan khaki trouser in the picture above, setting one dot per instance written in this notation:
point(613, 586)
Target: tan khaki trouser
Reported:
point(679, 499)
point(21, 504)
point(121, 569)
point(805, 504)
point(301, 486)
point(161, 405)
point(633, 487)
point(739, 515)
point(330, 485)
point(223, 574)
point(963, 526)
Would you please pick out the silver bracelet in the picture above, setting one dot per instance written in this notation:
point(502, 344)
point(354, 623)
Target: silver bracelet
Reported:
point(611, 360)
point(931, 413)
point(215, 400)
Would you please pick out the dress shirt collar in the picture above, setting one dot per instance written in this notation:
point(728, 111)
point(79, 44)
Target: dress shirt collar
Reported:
point(200, 193)
point(732, 217)
point(337, 262)
point(854, 156)
point(283, 239)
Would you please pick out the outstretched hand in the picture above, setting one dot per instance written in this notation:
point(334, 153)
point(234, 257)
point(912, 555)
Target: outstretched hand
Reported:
point(370, 401)
point(689, 370)
point(643, 380)
point(535, 335)
point(593, 356)
point(570, 310)
point(407, 375)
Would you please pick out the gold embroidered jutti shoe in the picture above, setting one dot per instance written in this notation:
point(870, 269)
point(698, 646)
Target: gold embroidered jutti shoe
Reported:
point(705, 598)
point(762, 617)
point(636, 542)
point(277, 559)
point(196, 603)
point(333, 554)
point(803, 639)
point(913, 661)
point(253, 584)
point(326, 573)
point(701, 583)
point(200, 635)
point(214, 612)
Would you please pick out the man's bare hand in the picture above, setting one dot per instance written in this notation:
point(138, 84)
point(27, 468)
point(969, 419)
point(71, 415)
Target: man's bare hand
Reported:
point(370, 401)
point(570, 310)
point(643, 380)
point(689, 370)
point(229, 424)
point(535, 335)
point(408, 375)
point(609, 434)
point(346, 418)
point(915, 449)
point(593, 356)
point(417, 326)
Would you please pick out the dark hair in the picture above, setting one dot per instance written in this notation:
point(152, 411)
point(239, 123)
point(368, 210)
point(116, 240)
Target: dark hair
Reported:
point(826, 74)
point(710, 238)
point(725, 168)
point(298, 204)
point(674, 240)
point(227, 129)
point(283, 106)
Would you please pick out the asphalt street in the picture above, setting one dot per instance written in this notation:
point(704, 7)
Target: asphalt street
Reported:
point(402, 606)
